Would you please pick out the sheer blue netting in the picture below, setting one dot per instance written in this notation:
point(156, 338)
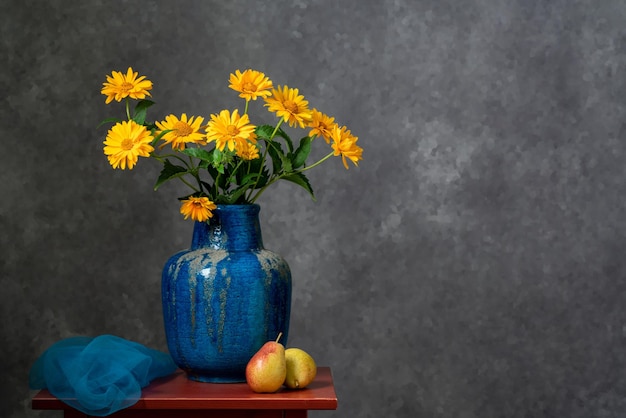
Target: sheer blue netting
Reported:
point(100, 375)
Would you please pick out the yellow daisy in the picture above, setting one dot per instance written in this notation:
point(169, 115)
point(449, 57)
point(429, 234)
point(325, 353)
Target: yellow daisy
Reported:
point(248, 151)
point(230, 130)
point(321, 125)
point(120, 86)
point(183, 130)
point(125, 142)
point(289, 105)
point(198, 208)
point(344, 144)
point(251, 84)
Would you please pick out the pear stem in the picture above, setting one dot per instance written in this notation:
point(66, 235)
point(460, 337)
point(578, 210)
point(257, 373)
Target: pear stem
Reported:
point(280, 334)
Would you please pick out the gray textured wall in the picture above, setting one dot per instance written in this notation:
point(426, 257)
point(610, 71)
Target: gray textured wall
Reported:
point(472, 266)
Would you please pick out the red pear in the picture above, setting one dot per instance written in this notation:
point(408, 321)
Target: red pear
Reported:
point(267, 369)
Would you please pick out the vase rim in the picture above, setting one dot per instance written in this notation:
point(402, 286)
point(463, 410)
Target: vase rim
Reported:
point(248, 209)
point(236, 204)
point(239, 207)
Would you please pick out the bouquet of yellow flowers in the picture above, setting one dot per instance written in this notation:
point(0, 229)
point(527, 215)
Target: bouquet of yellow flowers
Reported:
point(228, 159)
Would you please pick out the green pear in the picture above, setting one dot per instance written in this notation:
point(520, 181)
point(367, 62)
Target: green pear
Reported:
point(266, 370)
point(301, 368)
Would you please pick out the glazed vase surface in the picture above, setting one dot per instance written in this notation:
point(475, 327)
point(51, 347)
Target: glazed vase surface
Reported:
point(224, 297)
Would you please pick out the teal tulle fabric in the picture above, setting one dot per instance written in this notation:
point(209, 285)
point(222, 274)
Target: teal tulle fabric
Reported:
point(98, 376)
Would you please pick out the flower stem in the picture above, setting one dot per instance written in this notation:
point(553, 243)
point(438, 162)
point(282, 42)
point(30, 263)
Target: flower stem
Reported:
point(275, 179)
point(195, 173)
point(268, 143)
point(217, 181)
point(315, 164)
point(230, 178)
point(191, 186)
point(280, 122)
point(128, 108)
point(161, 158)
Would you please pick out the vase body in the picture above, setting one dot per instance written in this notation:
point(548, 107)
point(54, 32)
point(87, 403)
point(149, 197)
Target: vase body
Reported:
point(224, 297)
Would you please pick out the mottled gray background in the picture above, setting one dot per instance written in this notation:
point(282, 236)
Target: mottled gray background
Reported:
point(472, 266)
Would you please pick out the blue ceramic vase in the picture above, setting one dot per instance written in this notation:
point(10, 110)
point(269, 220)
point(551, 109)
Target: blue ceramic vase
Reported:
point(224, 297)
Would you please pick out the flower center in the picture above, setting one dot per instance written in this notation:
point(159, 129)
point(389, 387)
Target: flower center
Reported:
point(182, 129)
point(127, 144)
point(232, 130)
point(126, 86)
point(249, 87)
point(291, 106)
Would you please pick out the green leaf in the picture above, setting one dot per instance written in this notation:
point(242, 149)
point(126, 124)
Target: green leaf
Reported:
point(218, 162)
point(253, 177)
point(287, 139)
point(109, 120)
point(264, 131)
point(254, 166)
point(159, 136)
point(181, 198)
point(224, 158)
point(301, 180)
point(199, 153)
point(169, 172)
point(275, 150)
point(207, 185)
point(141, 110)
point(251, 171)
point(302, 153)
point(281, 163)
point(213, 173)
point(286, 163)
point(237, 193)
point(218, 156)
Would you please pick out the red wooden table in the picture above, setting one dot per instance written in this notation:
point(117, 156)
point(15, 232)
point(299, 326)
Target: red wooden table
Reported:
point(176, 396)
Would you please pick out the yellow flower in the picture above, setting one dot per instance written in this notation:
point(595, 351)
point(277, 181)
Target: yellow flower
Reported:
point(182, 132)
point(230, 130)
point(198, 208)
point(249, 150)
point(321, 125)
point(125, 142)
point(120, 86)
point(344, 144)
point(289, 105)
point(251, 84)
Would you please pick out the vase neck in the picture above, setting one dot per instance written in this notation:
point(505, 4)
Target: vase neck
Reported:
point(232, 227)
